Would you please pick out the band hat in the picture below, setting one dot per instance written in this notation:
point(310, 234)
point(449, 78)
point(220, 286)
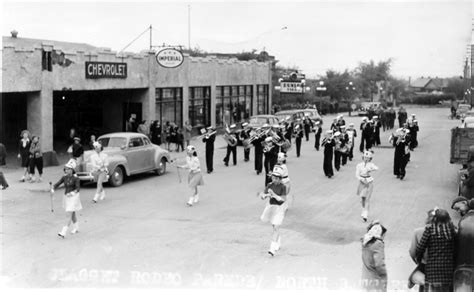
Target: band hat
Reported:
point(329, 132)
point(337, 134)
point(457, 200)
point(268, 139)
point(72, 164)
point(277, 171)
point(340, 117)
point(375, 117)
point(96, 145)
point(365, 119)
point(232, 126)
point(265, 126)
point(245, 124)
point(317, 122)
point(306, 115)
point(368, 154)
point(342, 127)
point(77, 138)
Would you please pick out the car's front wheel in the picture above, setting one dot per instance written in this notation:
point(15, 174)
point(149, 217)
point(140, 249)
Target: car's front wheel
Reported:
point(161, 167)
point(116, 178)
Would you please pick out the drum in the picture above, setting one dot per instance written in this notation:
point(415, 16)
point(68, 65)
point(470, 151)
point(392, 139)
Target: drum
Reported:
point(246, 143)
point(286, 145)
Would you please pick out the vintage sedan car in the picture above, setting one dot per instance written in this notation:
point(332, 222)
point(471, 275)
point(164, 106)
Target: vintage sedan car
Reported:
point(260, 120)
point(129, 154)
point(462, 110)
point(289, 115)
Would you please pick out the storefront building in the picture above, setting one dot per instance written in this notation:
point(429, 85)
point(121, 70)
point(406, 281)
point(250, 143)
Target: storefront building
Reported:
point(49, 87)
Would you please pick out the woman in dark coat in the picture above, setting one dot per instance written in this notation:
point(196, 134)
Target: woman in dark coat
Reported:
point(328, 144)
point(24, 154)
point(400, 141)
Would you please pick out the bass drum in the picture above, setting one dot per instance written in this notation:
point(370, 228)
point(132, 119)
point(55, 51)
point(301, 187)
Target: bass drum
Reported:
point(246, 143)
point(286, 146)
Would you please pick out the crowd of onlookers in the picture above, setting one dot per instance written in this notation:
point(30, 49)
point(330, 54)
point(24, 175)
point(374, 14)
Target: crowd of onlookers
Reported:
point(169, 133)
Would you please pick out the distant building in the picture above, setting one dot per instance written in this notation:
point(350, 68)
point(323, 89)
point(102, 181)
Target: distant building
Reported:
point(428, 85)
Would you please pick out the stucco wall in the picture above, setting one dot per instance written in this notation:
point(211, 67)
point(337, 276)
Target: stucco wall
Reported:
point(21, 69)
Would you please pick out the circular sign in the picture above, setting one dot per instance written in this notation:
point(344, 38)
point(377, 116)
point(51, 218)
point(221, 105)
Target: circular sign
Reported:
point(169, 58)
point(353, 106)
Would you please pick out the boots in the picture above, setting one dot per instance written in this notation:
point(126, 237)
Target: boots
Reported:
point(364, 215)
point(96, 197)
point(63, 232)
point(196, 198)
point(102, 195)
point(75, 228)
point(273, 248)
point(278, 243)
point(190, 201)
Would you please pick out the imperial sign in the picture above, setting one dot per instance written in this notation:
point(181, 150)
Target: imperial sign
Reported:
point(169, 58)
point(291, 87)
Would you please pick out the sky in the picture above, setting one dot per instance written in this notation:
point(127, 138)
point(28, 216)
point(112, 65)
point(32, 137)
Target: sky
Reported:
point(424, 38)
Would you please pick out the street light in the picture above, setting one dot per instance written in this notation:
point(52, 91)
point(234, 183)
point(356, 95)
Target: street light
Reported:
point(322, 89)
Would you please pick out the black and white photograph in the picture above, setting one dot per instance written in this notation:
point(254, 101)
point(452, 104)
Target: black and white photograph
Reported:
point(237, 145)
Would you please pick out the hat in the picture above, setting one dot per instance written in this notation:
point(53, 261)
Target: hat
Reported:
point(298, 120)
point(342, 127)
point(317, 122)
point(191, 148)
point(97, 145)
point(375, 117)
point(77, 138)
point(351, 125)
point(25, 131)
point(232, 126)
point(337, 134)
point(340, 116)
point(203, 131)
point(72, 164)
point(365, 119)
point(265, 126)
point(268, 139)
point(368, 154)
point(457, 200)
point(329, 132)
point(413, 115)
point(277, 171)
point(245, 124)
point(281, 156)
point(306, 115)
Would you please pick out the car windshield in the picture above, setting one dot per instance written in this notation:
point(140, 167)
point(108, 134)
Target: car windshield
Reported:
point(464, 106)
point(258, 120)
point(113, 142)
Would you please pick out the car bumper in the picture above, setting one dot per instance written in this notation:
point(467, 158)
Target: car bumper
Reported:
point(85, 176)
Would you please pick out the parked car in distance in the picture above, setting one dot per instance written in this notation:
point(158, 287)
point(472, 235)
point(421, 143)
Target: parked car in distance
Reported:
point(468, 122)
point(462, 110)
point(289, 115)
point(365, 106)
point(313, 114)
point(260, 120)
point(129, 154)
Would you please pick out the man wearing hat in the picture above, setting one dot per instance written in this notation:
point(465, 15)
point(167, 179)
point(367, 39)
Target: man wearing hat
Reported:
point(308, 125)
point(376, 127)
point(366, 135)
point(244, 135)
point(317, 131)
point(77, 150)
point(231, 147)
point(340, 121)
point(352, 134)
point(298, 132)
point(209, 138)
point(328, 144)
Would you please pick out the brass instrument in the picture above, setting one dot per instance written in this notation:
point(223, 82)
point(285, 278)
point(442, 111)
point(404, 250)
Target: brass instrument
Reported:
point(207, 135)
point(257, 134)
point(230, 139)
point(297, 130)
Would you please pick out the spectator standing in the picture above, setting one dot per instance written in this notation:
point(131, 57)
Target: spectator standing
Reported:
point(143, 128)
point(3, 154)
point(130, 124)
point(36, 159)
point(374, 271)
point(155, 133)
point(91, 142)
point(24, 154)
point(179, 139)
point(77, 151)
point(439, 239)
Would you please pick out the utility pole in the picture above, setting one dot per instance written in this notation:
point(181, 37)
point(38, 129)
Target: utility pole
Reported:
point(189, 27)
point(151, 38)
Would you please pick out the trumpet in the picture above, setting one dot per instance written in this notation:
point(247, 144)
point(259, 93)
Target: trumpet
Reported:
point(207, 135)
point(257, 134)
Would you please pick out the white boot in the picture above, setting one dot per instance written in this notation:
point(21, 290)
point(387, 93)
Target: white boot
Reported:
point(22, 179)
point(96, 197)
point(278, 243)
point(75, 228)
point(196, 198)
point(190, 201)
point(364, 215)
point(102, 195)
point(63, 232)
point(273, 248)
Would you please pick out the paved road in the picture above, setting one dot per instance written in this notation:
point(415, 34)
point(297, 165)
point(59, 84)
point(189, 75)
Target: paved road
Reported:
point(143, 235)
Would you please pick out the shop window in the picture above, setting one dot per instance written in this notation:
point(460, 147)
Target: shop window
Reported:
point(233, 104)
point(199, 106)
point(169, 105)
point(262, 99)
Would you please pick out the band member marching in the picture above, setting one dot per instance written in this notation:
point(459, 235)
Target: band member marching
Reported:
point(366, 135)
point(352, 133)
point(376, 134)
point(71, 199)
point(195, 176)
point(298, 134)
point(317, 130)
point(344, 149)
point(401, 143)
point(244, 135)
point(270, 152)
point(308, 125)
point(365, 188)
point(100, 162)
point(413, 127)
point(209, 138)
point(328, 143)
point(231, 138)
point(257, 142)
point(338, 149)
point(276, 207)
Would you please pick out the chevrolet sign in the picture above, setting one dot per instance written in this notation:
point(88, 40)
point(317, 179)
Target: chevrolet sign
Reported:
point(169, 58)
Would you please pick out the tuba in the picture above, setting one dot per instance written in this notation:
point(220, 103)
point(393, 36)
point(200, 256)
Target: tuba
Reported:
point(230, 139)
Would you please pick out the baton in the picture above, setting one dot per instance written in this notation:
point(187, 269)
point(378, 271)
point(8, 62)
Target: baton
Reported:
point(179, 174)
point(51, 195)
